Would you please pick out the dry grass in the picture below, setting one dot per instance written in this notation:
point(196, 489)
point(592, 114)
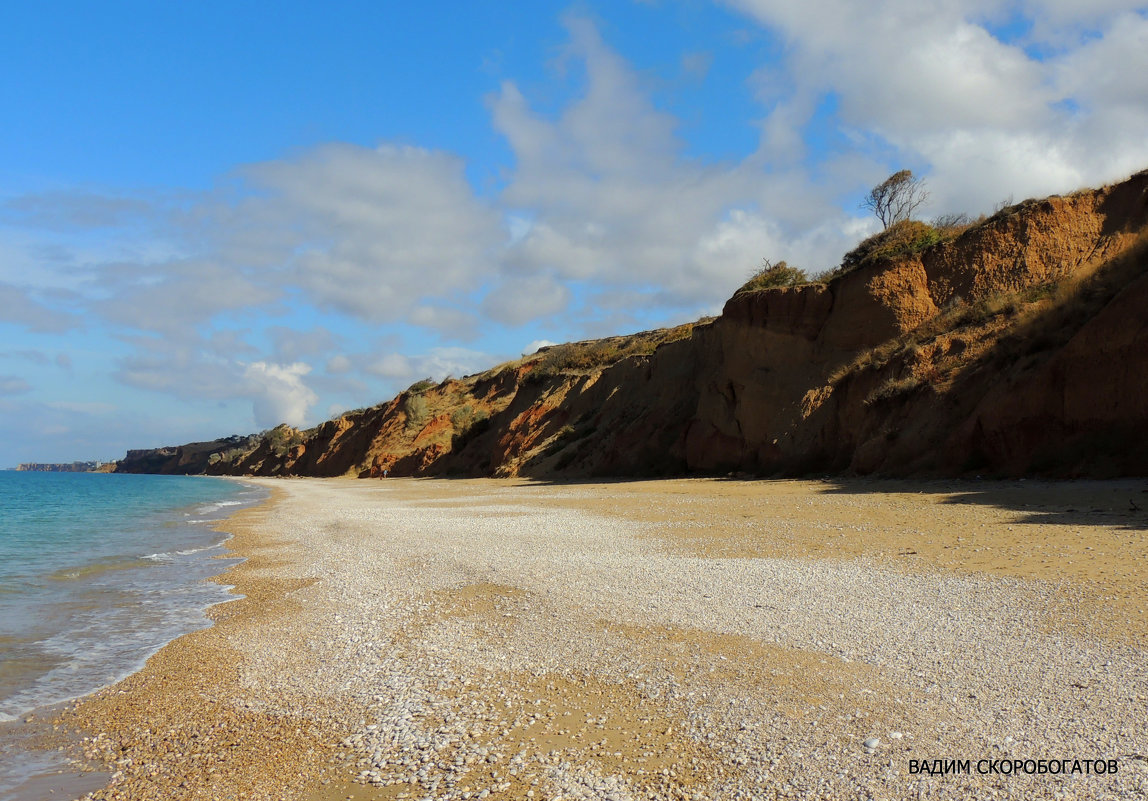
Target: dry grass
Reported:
point(583, 357)
point(1053, 313)
point(774, 276)
point(899, 239)
point(1034, 322)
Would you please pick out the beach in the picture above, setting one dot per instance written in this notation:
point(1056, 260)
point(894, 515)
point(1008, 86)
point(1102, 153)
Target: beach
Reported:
point(689, 638)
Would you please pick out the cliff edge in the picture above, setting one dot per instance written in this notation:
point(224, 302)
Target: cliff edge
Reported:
point(1015, 346)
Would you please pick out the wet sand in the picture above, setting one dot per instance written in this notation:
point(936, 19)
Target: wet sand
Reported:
point(687, 638)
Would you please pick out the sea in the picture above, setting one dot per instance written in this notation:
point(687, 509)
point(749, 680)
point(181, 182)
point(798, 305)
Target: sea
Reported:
point(97, 572)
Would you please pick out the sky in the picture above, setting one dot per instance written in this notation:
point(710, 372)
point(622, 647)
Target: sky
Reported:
point(216, 217)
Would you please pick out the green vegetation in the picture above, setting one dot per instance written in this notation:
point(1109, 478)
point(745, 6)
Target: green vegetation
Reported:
point(900, 239)
point(416, 409)
point(894, 202)
point(472, 429)
point(282, 439)
point(415, 404)
point(582, 357)
point(421, 386)
point(465, 417)
point(771, 276)
point(358, 411)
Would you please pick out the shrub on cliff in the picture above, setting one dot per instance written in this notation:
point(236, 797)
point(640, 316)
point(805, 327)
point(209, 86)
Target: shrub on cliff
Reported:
point(282, 438)
point(582, 357)
point(416, 410)
point(899, 239)
point(421, 386)
point(771, 276)
point(464, 417)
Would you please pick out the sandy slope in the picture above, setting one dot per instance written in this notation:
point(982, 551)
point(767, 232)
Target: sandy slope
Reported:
point(689, 638)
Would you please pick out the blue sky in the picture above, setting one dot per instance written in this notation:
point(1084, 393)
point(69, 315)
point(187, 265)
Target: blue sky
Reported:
point(216, 217)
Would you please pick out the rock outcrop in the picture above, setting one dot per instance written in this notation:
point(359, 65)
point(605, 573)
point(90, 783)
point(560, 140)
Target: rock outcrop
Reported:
point(1019, 346)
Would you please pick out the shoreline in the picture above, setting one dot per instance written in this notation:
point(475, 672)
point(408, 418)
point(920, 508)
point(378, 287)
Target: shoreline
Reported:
point(192, 681)
point(40, 759)
point(420, 622)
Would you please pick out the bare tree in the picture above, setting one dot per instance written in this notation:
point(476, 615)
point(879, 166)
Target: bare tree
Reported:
point(896, 198)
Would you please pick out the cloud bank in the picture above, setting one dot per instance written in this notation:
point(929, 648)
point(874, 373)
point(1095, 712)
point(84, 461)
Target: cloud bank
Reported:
point(217, 296)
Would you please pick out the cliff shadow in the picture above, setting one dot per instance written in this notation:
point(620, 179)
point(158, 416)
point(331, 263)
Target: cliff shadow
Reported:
point(1116, 503)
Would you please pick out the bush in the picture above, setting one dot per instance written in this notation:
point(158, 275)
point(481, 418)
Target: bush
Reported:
point(461, 417)
point(900, 239)
point(771, 276)
point(476, 428)
point(419, 387)
point(465, 417)
point(581, 357)
point(416, 410)
point(950, 226)
point(282, 438)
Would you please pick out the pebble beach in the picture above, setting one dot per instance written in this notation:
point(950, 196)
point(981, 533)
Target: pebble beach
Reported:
point(678, 639)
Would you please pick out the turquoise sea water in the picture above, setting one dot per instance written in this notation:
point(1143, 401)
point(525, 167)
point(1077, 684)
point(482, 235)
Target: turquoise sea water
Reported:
point(99, 571)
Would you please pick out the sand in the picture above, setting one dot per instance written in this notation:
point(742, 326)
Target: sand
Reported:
point(663, 639)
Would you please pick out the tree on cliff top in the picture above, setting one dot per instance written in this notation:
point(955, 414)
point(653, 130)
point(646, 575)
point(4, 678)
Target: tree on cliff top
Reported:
point(896, 198)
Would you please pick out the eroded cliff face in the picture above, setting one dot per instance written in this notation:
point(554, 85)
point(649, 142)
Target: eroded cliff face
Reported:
point(1017, 347)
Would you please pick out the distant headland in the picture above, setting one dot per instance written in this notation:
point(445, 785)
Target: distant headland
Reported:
point(66, 467)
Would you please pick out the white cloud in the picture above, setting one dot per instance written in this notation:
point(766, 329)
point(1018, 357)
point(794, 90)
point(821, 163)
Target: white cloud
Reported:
point(519, 299)
point(365, 232)
point(178, 296)
point(65, 211)
point(377, 229)
point(613, 200)
point(439, 363)
point(1066, 21)
point(291, 343)
point(95, 407)
point(186, 368)
point(181, 367)
point(604, 220)
point(338, 364)
point(17, 305)
point(393, 365)
point(534, 346)
point(34, 356)
point(13, 385)
point(280, 396)
point(444, 320)
point(982, 116)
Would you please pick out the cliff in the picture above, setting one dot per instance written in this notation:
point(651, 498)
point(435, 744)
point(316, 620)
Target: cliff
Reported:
point(1014, 346)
